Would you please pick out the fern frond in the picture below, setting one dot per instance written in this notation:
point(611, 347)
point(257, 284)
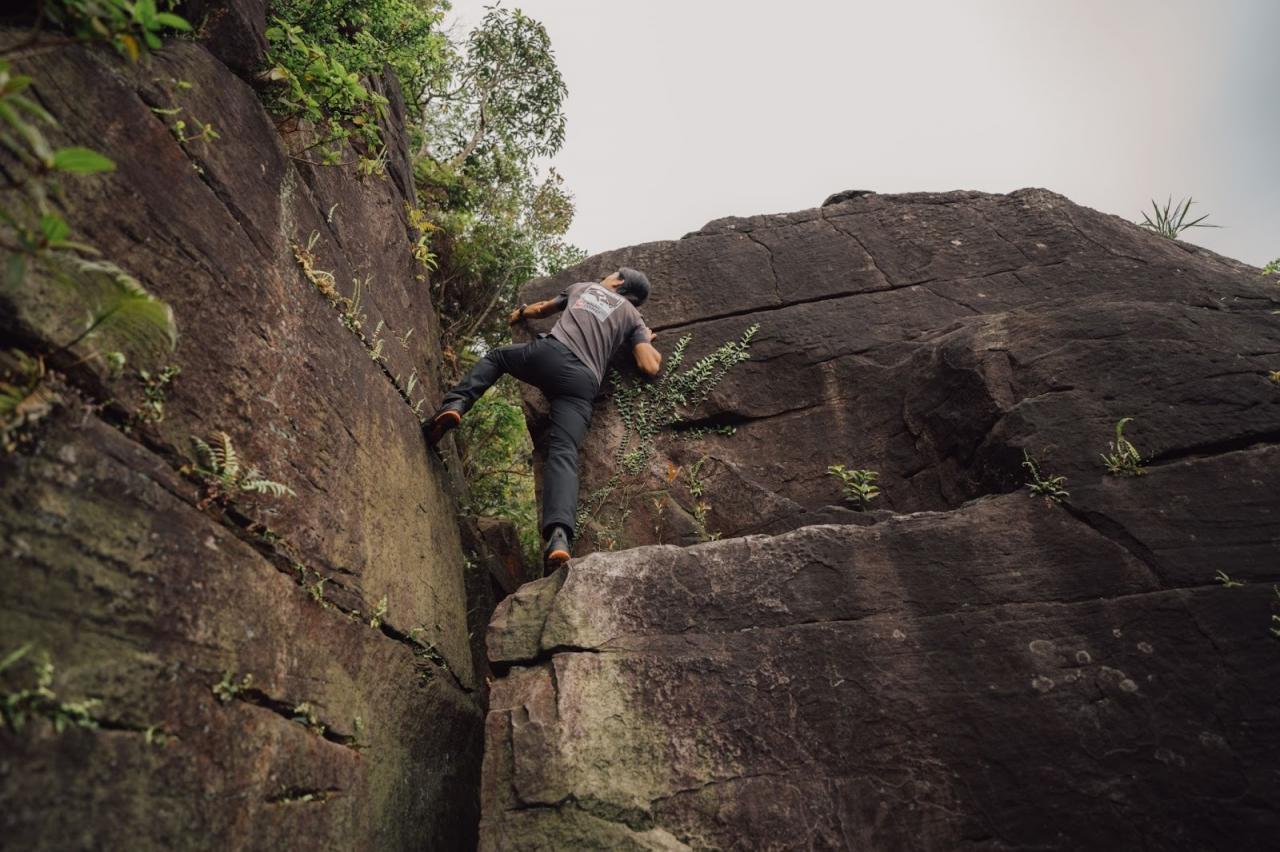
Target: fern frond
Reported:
point(230, 460)
point(15, 656)
point(254, 482)
point(118, 308)
point(204, 455)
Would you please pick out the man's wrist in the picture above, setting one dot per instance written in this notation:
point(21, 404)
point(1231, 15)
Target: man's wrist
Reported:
point(521, 312)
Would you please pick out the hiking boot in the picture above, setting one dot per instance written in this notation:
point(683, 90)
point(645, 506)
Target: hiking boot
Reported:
point(556, 553)
point(440, 424)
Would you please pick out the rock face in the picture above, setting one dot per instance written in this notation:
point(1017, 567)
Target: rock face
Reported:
point(968, 665)
point(933, 337)
point(289, 672)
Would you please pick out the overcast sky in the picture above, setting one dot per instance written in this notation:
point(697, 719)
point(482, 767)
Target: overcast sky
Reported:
point(682, 111)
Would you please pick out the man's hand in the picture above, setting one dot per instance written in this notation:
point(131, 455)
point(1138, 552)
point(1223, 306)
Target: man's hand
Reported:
point(517, 315)
point(648, 359)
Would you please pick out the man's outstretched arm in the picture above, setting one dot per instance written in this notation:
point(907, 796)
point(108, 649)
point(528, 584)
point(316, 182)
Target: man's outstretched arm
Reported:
point(538, 310)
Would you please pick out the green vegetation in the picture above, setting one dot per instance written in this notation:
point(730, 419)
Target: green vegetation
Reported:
point(132, 26)
point(25, 397)
point(228, 688)
point(483, 114)
point(1049, 487)
point(305, 714)
point(701, 508)
point(37, 239)
point(646, 407)
point(1171, 220)
point(322, 52)
point(859, 485)
point(1227, 582)
point(155, 389)
point(1124, 458)
point(40, 701)
point(82, 300)
point(220, 467)
point(497, 462)
point(1272, 268)
point(379, 613)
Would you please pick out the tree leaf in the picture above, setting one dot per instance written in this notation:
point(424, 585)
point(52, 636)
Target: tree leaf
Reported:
point(176, 22)
point(81, 161)
point(54, 228)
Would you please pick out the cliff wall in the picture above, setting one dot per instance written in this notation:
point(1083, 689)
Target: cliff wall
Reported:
point(273, 671)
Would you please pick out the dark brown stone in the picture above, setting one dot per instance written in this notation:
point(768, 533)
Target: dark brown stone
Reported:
point(145, 604)
point(143, 601)
point(933, 337)
point(964, 665)
point(997, 676)
point(234, 31)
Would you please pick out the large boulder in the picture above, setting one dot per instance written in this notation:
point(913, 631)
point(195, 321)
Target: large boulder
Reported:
point(963, 663)
point(933, 338)
point(998, 676)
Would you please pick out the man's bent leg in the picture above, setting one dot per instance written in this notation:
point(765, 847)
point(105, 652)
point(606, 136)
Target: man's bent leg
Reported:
point(458, 401)
point(481, 377)
point(570, 417)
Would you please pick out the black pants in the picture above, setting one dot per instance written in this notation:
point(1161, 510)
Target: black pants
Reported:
point(548, 365)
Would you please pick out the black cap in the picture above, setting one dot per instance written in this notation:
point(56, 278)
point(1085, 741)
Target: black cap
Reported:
point(635, 285)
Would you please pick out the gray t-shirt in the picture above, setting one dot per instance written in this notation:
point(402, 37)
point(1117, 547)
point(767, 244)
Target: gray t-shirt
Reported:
point(595, 322)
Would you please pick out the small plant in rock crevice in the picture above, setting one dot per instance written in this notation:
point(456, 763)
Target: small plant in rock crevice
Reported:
point(40, 701)
point(229, 688)
point(859, 485)
point(1050, 487)
point(1171, 220)
point(1124, 458)
point(379, 613)
point(1227, 582)
point(305, 714)
point(155, 388)
point(701, 508)
point(647, 407)
point(25, 397)
point(219, 465)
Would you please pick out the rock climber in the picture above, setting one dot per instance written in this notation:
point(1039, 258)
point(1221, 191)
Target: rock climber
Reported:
point(568, 366)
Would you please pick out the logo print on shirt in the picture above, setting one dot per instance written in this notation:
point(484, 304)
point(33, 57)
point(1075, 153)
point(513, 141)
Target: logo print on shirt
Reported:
point(598, 302)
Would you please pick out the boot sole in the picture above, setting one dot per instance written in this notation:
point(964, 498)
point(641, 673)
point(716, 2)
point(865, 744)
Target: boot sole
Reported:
point(557, 557)
point(443, 423)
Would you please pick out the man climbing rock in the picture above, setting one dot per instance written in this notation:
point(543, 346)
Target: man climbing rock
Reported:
point(568, 366)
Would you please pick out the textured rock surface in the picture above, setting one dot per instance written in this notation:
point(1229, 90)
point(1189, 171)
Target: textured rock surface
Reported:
point(998, 676)
point(967, 666)
point(933, 337)
point(141, 598)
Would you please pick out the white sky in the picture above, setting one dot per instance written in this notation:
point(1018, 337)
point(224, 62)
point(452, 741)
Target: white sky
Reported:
point(683, 111)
